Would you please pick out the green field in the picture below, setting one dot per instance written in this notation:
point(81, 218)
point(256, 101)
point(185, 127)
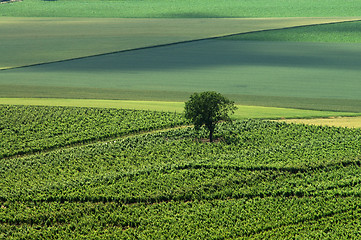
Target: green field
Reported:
point(121, 65)
point(261, 180)
point(182, 8)
point(239, 68)
point(38, 40)
point(341, 32)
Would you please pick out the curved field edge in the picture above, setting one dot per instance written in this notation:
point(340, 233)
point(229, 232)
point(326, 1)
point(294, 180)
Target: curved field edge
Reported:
point(45, 40)
point(345, 32)
point(243, 111)
point(181, 9)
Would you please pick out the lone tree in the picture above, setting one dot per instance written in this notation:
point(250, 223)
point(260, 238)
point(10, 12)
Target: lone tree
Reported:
point(208, 108)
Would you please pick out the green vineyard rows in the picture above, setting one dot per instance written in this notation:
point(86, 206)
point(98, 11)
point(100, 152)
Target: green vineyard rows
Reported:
point(259, 180)
point(258, 218)
point(26, 129)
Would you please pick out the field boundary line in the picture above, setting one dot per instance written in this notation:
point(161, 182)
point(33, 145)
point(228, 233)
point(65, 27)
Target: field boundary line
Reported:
point(86, 143)
point(177, 43)
point(164, 198)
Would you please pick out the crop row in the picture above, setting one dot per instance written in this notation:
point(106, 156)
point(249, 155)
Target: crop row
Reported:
point(217, 219)
point(270, 159)
point(258, 178)
point(25, 129)
point(204, 182)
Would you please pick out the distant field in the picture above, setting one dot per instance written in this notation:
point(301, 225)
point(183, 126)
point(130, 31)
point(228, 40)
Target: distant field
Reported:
point(350, 122)
point(326, 71)
point(243, 112)
point(265, 73)
point(181, 8)
point(349, 32)
point(27, 41)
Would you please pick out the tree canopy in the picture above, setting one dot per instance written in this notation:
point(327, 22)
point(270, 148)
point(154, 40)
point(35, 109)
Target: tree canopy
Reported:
point(208, 108)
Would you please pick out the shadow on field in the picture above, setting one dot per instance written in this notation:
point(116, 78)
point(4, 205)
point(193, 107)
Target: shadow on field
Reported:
point(219, 53)
point(346, 27)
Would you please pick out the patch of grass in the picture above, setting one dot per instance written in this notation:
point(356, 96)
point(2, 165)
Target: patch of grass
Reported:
point(243, 112)
point(349, 32)
point(181, 9)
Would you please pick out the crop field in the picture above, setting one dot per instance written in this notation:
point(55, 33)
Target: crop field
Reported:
point(94, 143)
point(262, 179)
point(26, 129)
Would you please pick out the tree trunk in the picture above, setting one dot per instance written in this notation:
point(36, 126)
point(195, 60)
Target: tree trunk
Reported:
point(211, 130)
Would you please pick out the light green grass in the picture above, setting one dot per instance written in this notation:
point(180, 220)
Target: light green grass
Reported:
point(341, 32)
point(27, 41)
point(26, 91)
point(181, 8)
point(243, 112)
point(328, 71)
point(350, 122)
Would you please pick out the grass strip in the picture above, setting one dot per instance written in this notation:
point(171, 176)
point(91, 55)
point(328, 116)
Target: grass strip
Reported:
point(27, 91)
point(243, 111)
